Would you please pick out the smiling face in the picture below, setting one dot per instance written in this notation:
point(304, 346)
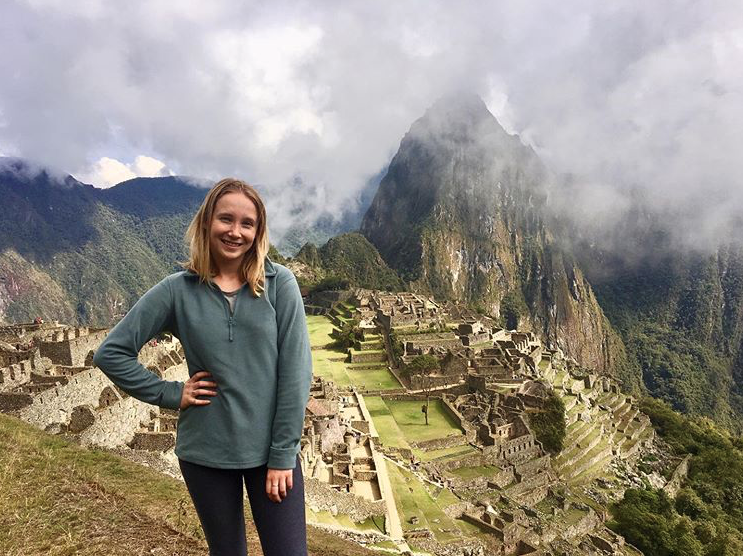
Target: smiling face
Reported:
point(232, 230)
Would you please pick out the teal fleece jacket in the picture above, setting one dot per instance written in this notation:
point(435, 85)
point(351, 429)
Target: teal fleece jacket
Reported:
point(259, 358)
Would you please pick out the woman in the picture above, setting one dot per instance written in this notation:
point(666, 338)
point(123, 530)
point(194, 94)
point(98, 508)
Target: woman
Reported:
point(240, 319)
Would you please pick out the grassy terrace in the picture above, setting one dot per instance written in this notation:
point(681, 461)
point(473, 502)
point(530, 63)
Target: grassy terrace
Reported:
point(412, 422)
point(389, 433)
point(331, 364)
point(401, 422)
point(61, 499)
point(414, 499)
point(474, 472)
point(341, 521)
point(319, 328)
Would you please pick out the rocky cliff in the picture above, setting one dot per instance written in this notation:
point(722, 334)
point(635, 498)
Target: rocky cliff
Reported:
point(462, 213)
point(679, 311)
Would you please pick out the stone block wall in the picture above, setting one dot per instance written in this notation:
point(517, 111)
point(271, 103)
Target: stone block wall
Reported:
point(469, 431)
point(472, 460)
point(532, 467)
point(54, 406)
point(439, 443)
point(585, 525)
point(14, 357)
point(503, 478)
point(364, 475)
point(368, 357)
point(14, 375)
point(116, 424)
point(538, 480)
point(475, 484)
point(472, 339)
point(361, 426)
point(74, 351)
point(321, 496)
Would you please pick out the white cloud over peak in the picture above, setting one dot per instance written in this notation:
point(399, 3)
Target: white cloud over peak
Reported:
point(107, 172)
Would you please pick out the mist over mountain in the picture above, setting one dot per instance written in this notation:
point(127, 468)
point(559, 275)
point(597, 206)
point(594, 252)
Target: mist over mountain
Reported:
point(80, 254)
point(679, 310)
point(309, 226)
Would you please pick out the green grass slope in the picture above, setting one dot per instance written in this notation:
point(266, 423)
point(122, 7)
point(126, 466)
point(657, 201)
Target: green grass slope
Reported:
point(60, 499)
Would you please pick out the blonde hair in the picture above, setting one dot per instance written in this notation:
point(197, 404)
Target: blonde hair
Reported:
point(200, 260)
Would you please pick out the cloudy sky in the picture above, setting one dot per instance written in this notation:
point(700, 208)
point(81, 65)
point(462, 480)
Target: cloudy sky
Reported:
point(631, 94)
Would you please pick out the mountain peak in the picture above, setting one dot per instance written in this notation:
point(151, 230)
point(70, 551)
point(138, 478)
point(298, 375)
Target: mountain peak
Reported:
point(22, 170)
point(460, 117)
point(459, 106)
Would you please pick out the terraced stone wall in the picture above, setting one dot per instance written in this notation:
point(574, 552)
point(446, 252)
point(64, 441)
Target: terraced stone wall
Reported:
point(73, 351)
point(54, 406)
point(440, 443)
point(469, 431)
point(14, 375)
point(321, 496)
point(116, 424)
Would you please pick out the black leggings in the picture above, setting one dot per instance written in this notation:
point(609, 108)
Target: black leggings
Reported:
point(218, 497)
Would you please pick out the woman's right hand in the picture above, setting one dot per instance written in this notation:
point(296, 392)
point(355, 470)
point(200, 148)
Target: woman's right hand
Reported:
point(194, 386)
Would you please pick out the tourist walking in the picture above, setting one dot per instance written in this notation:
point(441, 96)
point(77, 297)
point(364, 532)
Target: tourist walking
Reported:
point(240, 319)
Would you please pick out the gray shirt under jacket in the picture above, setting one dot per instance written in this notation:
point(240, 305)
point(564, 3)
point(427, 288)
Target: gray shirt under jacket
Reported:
point(258, 354)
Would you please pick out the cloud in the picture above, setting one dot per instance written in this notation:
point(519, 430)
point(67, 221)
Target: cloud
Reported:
point(107, 172)
point(638, 95)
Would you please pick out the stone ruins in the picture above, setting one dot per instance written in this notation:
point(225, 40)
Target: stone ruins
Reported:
point(56, 388)
point(489, 381)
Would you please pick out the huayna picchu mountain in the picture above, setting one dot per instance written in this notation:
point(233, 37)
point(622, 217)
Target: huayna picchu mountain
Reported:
point(462, 214)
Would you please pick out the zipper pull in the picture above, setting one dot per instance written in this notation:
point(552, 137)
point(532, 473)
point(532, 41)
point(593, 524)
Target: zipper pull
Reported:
point(230, 329)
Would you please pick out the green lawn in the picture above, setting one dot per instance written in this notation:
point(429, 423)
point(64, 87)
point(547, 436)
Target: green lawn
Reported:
point(412, 422)
point(319, 328)
point(413, 499)
point(401, 422)
point(329, 364)
point(389, 433)
point(323, 366)
point(374, 379)
point(474, 472)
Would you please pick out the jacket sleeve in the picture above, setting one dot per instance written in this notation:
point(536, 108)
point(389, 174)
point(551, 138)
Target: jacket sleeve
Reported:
point(117, 355)
point(294, 375)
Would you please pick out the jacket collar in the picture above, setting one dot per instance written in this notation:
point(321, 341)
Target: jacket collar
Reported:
point(269, 269)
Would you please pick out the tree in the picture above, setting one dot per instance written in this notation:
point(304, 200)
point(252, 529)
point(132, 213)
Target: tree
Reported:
point(422, 368)
point(347, 336)
point(548, 425)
